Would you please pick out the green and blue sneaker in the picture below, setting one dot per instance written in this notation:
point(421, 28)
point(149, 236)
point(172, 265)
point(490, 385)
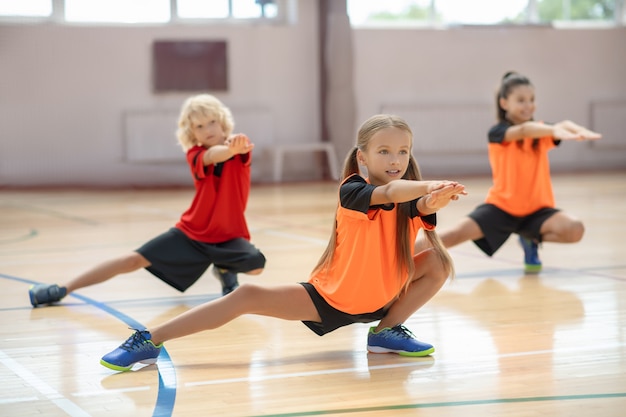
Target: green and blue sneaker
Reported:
point(397, 339)
point(532, 264)
point(137, 348)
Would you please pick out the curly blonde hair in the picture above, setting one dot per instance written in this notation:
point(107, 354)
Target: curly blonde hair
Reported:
point(203, 105)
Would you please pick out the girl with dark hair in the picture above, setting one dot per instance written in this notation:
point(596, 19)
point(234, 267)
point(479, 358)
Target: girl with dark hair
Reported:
point(521, 199)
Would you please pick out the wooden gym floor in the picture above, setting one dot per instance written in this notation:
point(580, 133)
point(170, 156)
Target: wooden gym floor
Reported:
point(506, 344)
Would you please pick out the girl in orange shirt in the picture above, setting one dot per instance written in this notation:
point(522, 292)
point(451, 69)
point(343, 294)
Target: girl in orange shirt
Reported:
point(368, 272)
point(521, 200)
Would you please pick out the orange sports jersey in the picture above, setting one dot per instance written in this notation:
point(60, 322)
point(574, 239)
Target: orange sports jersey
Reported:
point(521, 175)
point(216, 213)
point(363, 274)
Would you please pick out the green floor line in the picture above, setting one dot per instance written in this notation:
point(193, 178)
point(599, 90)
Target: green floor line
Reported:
point(448, 404)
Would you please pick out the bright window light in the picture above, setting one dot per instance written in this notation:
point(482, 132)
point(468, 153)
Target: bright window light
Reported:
point(251, 9)
point(362, 11)
point(202, 9)
point(26, 8)
point(480, 12)
point(120, 11)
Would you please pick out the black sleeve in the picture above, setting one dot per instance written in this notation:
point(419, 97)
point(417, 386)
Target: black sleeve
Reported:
point(356, 194)
point(430, 219)
point(496, 133)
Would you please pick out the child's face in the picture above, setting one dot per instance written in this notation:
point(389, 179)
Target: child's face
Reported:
point(520, 104)
point(207, 130)
point(387, 156)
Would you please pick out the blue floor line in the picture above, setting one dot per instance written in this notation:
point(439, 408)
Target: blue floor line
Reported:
point(166, 396)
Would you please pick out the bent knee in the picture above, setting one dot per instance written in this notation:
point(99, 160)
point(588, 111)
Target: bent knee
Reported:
point(576, 231)
point(429, 263)
point(249, 290)
point(571, 233)
point(249, 297)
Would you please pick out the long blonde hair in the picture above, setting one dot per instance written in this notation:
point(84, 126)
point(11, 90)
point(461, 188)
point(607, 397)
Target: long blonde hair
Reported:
point(204, 105)
point(403, 244)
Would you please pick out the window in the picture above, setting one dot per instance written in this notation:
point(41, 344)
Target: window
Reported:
point(28, 8)
point(485, 12)
point(142, 11)
point(376, 11)
point(121, 11)
point(576, 10)
point(482, 12)
point(194, 9)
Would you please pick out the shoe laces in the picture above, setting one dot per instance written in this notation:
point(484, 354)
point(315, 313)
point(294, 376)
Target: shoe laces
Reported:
point(134, 342)
point(402, 331)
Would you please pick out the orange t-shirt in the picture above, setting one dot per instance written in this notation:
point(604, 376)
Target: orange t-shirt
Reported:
point(363, 275)
point(521, 176)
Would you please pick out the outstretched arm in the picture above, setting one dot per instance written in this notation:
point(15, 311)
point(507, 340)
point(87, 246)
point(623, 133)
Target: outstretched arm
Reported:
point(236, 144)
point(565, 130)
point(582, 132)
point(399, 191)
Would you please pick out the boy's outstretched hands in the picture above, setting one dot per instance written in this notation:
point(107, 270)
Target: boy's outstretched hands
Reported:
point(440, 193)
point(239, 144)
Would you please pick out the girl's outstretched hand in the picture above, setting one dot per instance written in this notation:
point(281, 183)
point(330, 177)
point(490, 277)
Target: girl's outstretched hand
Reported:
point(567, 130)
point(239, 144)
point(442, 192)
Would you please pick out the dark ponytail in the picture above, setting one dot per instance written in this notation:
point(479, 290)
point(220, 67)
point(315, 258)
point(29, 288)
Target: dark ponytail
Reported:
point(510, 80)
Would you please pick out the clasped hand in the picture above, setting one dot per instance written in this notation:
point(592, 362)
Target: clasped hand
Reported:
point(239, 144)
point(442, 192)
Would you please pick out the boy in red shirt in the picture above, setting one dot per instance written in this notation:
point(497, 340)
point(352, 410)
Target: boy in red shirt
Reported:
point(213, 230)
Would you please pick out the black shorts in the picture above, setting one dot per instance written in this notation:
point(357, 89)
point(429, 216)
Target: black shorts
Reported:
point(332, 319)
point(497, 225)
point(179, 261)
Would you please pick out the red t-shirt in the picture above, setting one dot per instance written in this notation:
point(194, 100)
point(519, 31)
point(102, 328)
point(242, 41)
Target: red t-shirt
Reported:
point(216, 213)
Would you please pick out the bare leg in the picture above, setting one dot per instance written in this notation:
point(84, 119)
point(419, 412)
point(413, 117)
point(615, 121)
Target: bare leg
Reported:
point(288, 302)
point(430, 275)
point(465, 230)
point(562, 228)
point(107, 270)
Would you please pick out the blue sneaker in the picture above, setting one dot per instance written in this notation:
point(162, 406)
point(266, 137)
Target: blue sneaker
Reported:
point(532, 264)
point(137, 348)
point(227, 279)
point(45, 294)
point(397, 339)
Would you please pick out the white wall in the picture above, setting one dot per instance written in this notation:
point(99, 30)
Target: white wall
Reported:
point(444, 81)
point(65, 91)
